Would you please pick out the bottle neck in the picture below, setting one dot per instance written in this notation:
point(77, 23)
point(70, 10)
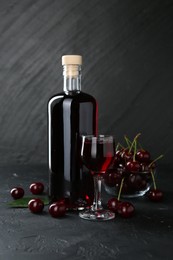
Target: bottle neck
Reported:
point(72, 78)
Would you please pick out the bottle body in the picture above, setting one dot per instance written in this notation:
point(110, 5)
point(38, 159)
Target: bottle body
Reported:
point(70, 115)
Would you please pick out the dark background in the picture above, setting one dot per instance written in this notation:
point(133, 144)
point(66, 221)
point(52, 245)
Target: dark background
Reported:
point(127, 48)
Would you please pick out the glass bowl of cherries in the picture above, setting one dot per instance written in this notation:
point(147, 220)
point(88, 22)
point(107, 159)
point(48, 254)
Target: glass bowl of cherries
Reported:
point(133, 167)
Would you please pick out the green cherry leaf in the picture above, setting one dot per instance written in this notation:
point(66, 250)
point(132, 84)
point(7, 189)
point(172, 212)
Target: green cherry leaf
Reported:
point(23, 203)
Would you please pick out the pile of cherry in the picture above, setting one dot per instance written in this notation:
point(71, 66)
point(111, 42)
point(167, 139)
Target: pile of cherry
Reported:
point(36, 205)
point(132, 172)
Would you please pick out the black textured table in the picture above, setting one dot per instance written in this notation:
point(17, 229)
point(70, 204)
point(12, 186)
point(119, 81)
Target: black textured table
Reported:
point(148, 235)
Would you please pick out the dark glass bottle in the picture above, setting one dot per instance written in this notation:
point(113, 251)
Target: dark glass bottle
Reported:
point(71, 114)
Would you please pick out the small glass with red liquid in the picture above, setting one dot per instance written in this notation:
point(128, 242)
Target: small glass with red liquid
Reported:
point(97, 153)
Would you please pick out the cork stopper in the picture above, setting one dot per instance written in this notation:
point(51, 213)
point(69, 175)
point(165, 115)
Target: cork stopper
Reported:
point(71, 65)
point(72, 60)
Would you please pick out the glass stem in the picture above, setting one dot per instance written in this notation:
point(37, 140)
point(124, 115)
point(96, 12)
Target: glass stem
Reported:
point(97, 203)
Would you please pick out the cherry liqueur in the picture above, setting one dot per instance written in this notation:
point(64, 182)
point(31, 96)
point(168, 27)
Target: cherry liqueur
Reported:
point(71, 114)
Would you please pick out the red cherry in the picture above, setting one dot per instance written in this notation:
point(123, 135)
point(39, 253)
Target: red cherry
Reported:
point(122, 170)
point(57, 209)
point(119, 152)
point(144, 167)
point(63, 201)
point(116, 160)
point(36, 205)
point(112, 178)
point(143, 156)
point(133, 166)
point(126, 155)
point(17, 193)
point(155, 195)
point(137, 182)
point(113, 204)
point(126, 209)
point(70, 205)
point(126, 188)
point(36, 188)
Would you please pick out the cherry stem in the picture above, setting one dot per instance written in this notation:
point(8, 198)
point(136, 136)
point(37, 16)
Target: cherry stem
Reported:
point(158, 158)
point(127, 141)
point(132, 144)
point(121, 186)
point(154, 182)
point(119, 145)
point(135, 148)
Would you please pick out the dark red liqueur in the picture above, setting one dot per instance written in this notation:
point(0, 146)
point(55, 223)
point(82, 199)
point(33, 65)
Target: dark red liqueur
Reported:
point(70, 116)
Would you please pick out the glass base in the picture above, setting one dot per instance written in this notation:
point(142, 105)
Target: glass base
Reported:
point(97, 215)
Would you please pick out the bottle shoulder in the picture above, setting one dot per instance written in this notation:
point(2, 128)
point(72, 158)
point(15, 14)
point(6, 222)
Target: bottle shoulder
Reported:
point(85, 96)
point(74, 97)
point(57, 95)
